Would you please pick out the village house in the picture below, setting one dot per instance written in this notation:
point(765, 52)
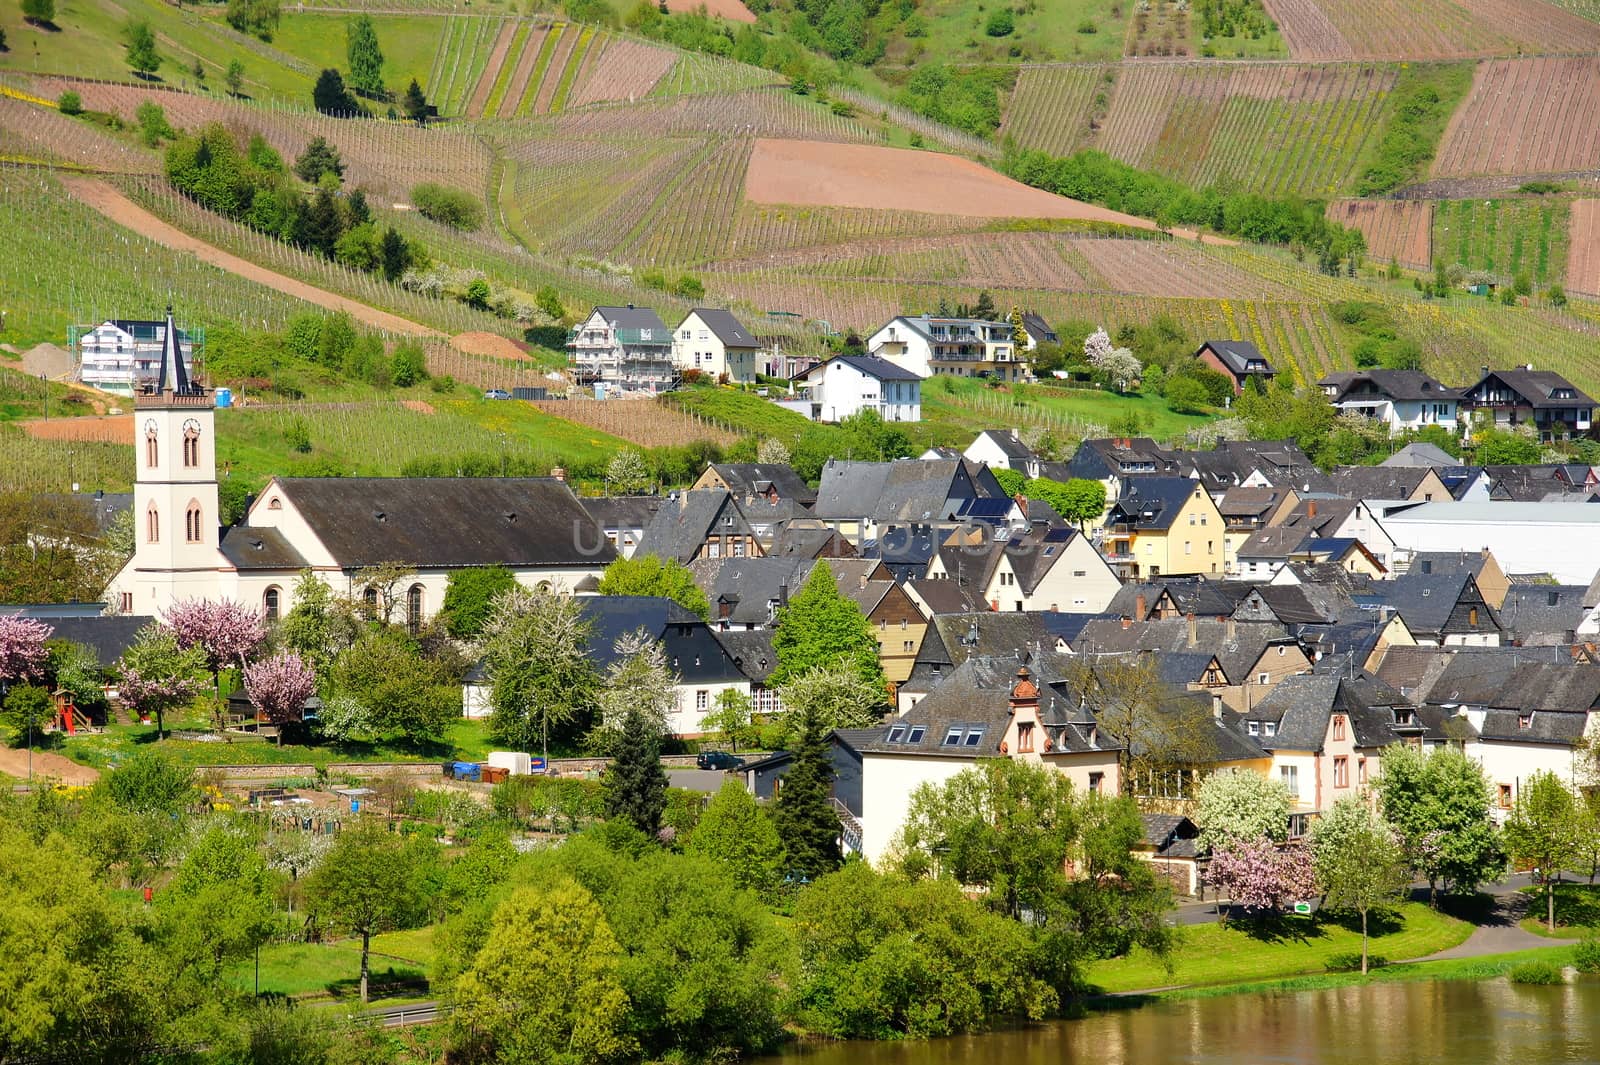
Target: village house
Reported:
point(625, 348)
point(714, 343)
point(1417, 484)
point(1239, 360)
point(1164, 525)
point(1399, 399)
point(1001, 449)
point(929, 346)
point(849, 384)
point(1523, 395)
point(750, 480)
point(1442, 609)
point(701, 523)
point(864, 501)
point(123, 356)
point(1041, 569)
point(623, 519)
point(1252, 658)
point(1114, 462)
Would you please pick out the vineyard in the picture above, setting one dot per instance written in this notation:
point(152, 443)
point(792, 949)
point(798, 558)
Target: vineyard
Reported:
point(1583, 263)
point(29, 464)
point(1526, 116)
point(1397, 29)
point(1504, 237)
point(646, 422)
point(1396, 230)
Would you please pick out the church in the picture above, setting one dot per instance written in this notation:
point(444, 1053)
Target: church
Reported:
point(338, 528)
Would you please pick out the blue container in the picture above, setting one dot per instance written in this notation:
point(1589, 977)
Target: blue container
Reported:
point(466, 771)
point(224, 397)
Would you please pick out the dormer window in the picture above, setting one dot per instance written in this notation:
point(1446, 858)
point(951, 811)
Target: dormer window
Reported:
point(1524, 721)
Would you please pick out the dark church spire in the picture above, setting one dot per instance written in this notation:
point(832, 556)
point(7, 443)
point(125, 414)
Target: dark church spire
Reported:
point(174, 375)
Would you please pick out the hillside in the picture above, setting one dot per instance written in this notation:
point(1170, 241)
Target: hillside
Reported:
point(619, 161)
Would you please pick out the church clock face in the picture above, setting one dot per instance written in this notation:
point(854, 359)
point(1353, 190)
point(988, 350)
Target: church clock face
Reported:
point(189, 426)
point(150, 427)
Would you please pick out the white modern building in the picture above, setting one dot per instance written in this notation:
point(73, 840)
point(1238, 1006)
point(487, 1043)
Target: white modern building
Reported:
point(1400, 399)
point(962, 347)
point(628, 348)
point(124, 355)
point(715, 343)
point(1554, 538)
point(847, 384)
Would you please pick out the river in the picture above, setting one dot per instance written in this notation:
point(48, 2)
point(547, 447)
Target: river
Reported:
point(1457, 1022)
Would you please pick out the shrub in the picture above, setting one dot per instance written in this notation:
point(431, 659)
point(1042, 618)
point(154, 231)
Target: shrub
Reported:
point(70, 103)
point(1541, 973)
point(1586, 955)
point(449, 207)
point(1350, 962)
point(1556, 295)
point(1000, 24)
point(1185, 395)
point(1087, 26)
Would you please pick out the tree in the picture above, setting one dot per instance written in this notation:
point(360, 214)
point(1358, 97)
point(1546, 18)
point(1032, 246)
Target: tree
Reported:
point(1543, 832)
point(139, 41)
point(408, 366)
point(653, 575)
point(536, 650)
point(226, 632)
point(405, 696)
point(39, 12)
point(78, 674)
point(1239, 805)
point(219, 906)
point(395, 254)
point(379, 586)
point(414, 105)
point(158, 674)
point(638, 682)
point(1019, 332)
point(1261, 876)
point(318, 158)
point(363, 887)
point(1185, 395)
point(737, 833)
point(257, 17)
point(1439, 804)
point(568, 1001)
point(23, 654)
point(279, 687)
point(28, 707)
point(320, 625)
point(149, 782)
point(233, 78)
point(366, 58)
point(635, 784)
point(627, 473)
point(320, 226)
point(730, 717)
point(468, 595)
point(1078, 499)
point(804, 814)
point(1159, 737)
point(819, 626)
point(1011, 481)
point(772, 451)
point(1358, 861)
point(330, 96)
point(832, 696)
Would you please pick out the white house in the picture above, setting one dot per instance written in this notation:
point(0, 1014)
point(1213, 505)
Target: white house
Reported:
point(713, 342)
point(1400, 399)
point(846, 384)
point(1001, 449)
point(962, 347)
point(628, 348)
point(339, 528)
point(1043, 569)
point(124, 355)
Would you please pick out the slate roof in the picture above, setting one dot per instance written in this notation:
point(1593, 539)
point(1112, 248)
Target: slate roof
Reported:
point(448, 521)
point(1398, 385)
point(1379, 482)
point(1426, 600)
point(1302, 705)
point(1011, 447)
point(108, 636)
point(914, 491)
point(249, 547)
point(621, 512)
point(1281, 462)
point(1170, 835)
point(1536, 387)
point(1249, 501)
point(1528, 484)
point(1320, 514)
point(798, 540)
point(949, 597)
point(1564, 729)
point(1237, 356)
point(1535, 613)
point(692, 651)
point(102, 507)
point(747, 585)
point(1237, 645)
point(754, 478)
point(680, 527)
point(988, 634)
point(751, 652)
point(1152, 503)
point(1191, 595)
point(635, 318)
point(1039, 329)
point(1104, 457)
point(1277, 541)
point(725, 326)
point(1420, 454)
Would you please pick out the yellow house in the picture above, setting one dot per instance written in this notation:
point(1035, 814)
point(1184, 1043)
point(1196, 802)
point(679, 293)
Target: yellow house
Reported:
point(1163, 526)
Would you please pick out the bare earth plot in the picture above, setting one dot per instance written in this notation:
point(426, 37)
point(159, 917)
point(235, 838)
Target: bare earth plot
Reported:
point(124, 212)
point(1401, 230)
point(819, 174)
point(1525, 116)
point(1583, 248)
point(732, 10)
point(1428, 29)
point(627, 70)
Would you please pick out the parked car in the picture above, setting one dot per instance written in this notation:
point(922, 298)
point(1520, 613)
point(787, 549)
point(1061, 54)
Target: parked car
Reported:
point(497, 393)
point(718, 760)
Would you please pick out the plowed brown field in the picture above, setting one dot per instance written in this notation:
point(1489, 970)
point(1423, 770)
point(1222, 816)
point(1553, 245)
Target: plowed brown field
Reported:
point(1583, 248)
point(1525, 116)
point(1401, 230)
point(731, 10)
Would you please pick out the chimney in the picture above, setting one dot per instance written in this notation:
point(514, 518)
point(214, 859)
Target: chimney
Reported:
point(1126, 624)
point(1024, 692)
point(1311, 509)
point(1139, 606)
point(863, 580)
point(783, 593)
point(1193, 633)
point(1232, 630)
point(559, 473)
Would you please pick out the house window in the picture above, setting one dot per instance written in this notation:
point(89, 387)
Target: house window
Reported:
point(127, 602)
point(152, 525)
point(1341, 772)
point(897, 733)
point(1263, 678)
point(702, 699)
point(1505, 796)
point(414, 607)
point(952, 737)
point(270, 603)
point(191, 448)
point(1096, 783)
point(1338, 726)
point(1472, 615)
point(1269, 728)
point(1524, 721)
point(1290, 775)
point(1188, 547)
point(904, 624)
point(1253, 727)
point(191, 523)
point(974, 736)
point(1361, 770)
point(907, 646)
point(274, 503)
point(916, 734)
point(713, 549)
point(1025, 738)
point(738, 549)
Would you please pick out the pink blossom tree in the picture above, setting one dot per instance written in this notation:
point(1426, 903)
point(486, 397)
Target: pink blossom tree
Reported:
point(22, 651)
point(1260, 876)
point(227, 633)
point(157, 674)
point(279, 687)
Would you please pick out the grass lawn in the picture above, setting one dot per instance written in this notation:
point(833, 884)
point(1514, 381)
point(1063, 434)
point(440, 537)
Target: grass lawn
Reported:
point(335, 968)
point(1062, 30)
point(953, 409)
point(408, 43)
point(1245, 951)
point(1577, 909)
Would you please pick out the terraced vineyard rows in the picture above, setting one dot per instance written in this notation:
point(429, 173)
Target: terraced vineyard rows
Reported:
point(463, 53)
point(1051, 107)
point(646, 422)
point(693, 219)
point(1280, 128)
point(527, 58)
point(1525, 116)
point(1583, 265)
point(694, 74)
point(478, 103)
point(31, 133)
point(1395, 29)
point(762, 231)
point(1396, 230)
point(1504, 237)
point(626, 70)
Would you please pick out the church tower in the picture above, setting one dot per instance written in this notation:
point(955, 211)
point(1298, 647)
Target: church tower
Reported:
point(175, 511)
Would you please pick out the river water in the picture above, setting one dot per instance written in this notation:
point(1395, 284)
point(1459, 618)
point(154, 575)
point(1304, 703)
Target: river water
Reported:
point(1459, 1022)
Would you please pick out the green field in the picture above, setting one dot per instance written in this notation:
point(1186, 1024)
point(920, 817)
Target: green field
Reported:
point(1504, 237)
point(1239, 953)
point(316, 969)
point(955, 33)
point(409, 43)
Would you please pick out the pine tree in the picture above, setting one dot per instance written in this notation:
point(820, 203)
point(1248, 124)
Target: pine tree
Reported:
point(321, 226)
point(636, 785)
point(396, 254)
point(803, 815)
point(821, 627)
point(356, 207)
point(329, 94)
point(366, 58)
point(414, 104)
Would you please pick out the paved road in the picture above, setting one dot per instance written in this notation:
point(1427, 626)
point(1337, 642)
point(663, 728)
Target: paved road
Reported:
point(1196, 913)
